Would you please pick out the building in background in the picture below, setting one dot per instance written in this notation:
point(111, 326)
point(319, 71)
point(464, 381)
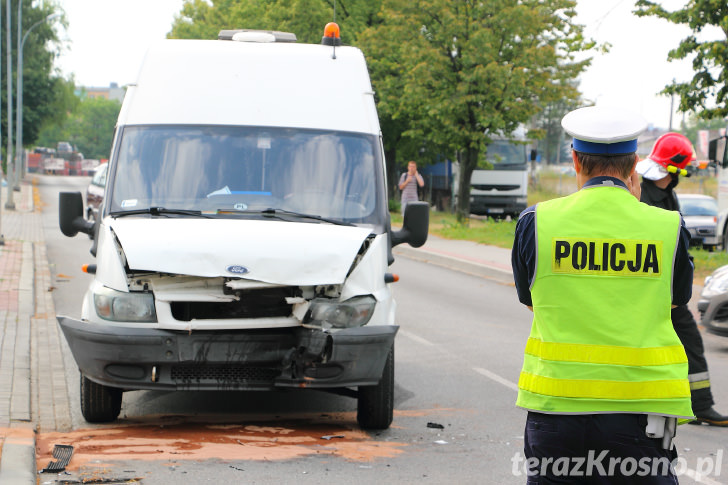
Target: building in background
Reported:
point(112, 92)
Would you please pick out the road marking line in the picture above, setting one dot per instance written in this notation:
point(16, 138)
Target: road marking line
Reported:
point(496, 378)
point(416, 338)
point(700, 478)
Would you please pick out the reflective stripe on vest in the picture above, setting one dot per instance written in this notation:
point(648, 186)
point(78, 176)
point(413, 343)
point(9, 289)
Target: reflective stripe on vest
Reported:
point(602, 339)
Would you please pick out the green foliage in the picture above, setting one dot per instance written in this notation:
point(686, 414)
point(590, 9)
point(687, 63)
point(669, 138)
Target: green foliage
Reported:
point(90, 127)
point(461, 73)
point(42, 87)
point(201, 19)
point(710, 61)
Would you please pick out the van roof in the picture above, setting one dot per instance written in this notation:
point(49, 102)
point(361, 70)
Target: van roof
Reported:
point(214, 82)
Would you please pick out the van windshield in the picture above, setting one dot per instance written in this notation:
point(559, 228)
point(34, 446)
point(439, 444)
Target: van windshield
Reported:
point(234, 171)
point(506, 155)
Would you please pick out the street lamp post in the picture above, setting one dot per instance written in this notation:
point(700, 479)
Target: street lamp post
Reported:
point(9, 204)
point(2, 238)
point(19, 108)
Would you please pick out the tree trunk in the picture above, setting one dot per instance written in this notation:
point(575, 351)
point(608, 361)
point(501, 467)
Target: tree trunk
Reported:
point(467, 161)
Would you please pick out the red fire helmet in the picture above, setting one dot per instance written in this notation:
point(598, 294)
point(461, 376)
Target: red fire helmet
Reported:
point(672, 149)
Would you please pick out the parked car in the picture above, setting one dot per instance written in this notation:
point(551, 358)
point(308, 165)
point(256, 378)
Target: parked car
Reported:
point(713, 303)
point(95, 192)
point(701, 219)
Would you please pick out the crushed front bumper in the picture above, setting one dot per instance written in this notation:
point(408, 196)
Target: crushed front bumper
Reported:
point(146, 358)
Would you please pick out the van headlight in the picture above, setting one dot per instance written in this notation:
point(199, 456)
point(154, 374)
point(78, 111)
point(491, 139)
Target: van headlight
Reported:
point(119, 306)
point(353, 312)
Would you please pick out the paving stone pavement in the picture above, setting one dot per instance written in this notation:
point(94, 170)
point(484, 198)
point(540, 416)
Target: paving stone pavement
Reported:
point(33, 390)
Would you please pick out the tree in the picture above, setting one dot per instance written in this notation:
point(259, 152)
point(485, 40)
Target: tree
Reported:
point(469, 71)
point(707, 92)
point(43, 89)
point(200, 19)
point(90, 127)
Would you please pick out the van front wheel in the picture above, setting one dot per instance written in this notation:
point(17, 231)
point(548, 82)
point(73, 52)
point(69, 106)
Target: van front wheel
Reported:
point(375, 404)
point(99, 403)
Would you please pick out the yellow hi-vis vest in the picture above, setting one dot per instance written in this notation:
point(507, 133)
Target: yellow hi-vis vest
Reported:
point(602, 340)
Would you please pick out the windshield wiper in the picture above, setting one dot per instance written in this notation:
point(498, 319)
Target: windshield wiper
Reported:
point(159, 211)
point(277, 213)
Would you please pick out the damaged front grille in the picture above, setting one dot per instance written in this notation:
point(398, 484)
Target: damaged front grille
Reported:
point(255, 303)
point(229, 375)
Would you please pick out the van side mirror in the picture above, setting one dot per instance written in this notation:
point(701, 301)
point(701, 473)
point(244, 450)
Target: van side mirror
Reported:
point(415, 226)
point(70, 214)
point(533, 155)
point(718, 151)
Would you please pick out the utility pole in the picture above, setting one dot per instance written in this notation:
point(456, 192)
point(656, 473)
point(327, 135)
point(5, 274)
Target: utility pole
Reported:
point(18, 148)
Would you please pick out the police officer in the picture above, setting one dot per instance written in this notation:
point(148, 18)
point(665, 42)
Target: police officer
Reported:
point(660, 175)
point(604, 374)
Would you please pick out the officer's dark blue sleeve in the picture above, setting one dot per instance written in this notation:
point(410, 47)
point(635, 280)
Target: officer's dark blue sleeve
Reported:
point(682, 276)
point(523, 255)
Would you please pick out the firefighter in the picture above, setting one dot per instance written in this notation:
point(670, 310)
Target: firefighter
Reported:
point(604, 375)
point(661, 172)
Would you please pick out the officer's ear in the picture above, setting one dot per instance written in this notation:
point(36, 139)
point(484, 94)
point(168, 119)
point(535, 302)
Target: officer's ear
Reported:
point(634, 167)
point(577, 165)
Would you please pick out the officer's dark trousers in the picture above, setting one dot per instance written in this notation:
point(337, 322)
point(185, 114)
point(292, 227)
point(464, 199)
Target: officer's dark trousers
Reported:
point(594, 449)
point(687, 331)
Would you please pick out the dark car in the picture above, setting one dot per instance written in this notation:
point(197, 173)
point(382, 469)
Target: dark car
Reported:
point(95, 191)
point(713, 303)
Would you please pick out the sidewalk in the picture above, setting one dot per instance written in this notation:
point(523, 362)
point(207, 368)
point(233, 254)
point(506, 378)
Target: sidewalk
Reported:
point(32, 377)
point(466, 256)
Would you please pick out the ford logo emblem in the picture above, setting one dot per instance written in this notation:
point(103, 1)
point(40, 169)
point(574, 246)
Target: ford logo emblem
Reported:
point(237, 269)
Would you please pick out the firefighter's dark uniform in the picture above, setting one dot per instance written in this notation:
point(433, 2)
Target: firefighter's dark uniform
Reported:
point(684, 323)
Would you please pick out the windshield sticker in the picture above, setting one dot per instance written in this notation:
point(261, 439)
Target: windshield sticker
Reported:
point(264, 143)
point(129, 203)
point(223, 191)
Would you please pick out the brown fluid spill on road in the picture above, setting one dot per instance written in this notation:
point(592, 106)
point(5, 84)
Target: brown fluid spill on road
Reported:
point(190, 441)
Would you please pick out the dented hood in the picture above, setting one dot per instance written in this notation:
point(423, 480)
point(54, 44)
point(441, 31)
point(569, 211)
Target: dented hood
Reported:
point(278, 252)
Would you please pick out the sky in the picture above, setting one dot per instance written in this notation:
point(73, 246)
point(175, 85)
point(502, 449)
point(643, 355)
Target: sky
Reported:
point(107, 39)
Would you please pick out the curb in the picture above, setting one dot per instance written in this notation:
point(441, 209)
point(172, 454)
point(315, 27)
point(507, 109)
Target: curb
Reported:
point(473, 266)
point(18, 456)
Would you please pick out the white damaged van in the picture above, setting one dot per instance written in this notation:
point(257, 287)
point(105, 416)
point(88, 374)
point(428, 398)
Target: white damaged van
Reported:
point(244, 238)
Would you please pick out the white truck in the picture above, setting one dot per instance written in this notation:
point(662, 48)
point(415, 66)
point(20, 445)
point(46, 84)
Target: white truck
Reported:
point(244, 238)
point(503, 190)
point(497, 192)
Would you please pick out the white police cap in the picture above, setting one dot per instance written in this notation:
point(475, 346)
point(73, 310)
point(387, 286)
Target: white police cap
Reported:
point(604, 131)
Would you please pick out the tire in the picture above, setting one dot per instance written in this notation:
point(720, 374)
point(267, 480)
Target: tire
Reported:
point(375, 404)
point(99, 403)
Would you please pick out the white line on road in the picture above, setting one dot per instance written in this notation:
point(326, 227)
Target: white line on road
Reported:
point(700, 478)
point(496, 378)
point(416, 338)
point(513, 386)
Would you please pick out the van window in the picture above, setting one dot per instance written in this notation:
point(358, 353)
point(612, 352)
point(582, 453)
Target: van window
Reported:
point(219, 169)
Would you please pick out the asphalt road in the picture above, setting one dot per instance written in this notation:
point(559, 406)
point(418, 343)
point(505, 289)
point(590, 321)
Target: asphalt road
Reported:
point(458, 355)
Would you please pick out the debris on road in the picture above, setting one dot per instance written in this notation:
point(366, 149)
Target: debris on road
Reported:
point(435, 425)
point(331, 436)
point(62, 454)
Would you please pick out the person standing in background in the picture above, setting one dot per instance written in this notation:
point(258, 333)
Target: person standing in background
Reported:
point(660, 175)
point(408, 183)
